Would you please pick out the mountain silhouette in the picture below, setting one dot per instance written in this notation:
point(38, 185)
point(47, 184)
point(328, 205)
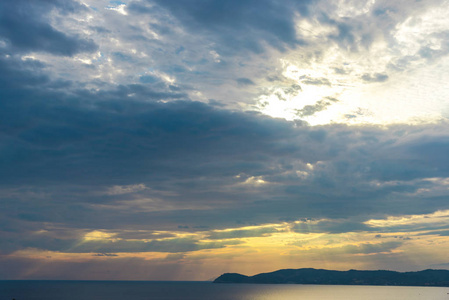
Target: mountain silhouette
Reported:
point(351, 277)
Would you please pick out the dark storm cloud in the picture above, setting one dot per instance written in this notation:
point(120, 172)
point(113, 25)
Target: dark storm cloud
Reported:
point(413, 159)
point(81, 138)
point(62, 147)
point(25, 27)
point(236, 25)
point(82, 141)
point(20, 74)
point(29, 239)
point(195, 150)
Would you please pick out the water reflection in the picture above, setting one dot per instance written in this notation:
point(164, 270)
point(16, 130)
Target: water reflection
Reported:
point(127, 290)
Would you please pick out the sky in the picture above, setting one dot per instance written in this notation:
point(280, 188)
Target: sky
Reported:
point(179, 140)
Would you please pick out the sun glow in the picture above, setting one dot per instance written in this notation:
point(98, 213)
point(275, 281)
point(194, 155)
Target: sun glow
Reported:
point(309, 91)
point(378, 84)
point(324, 98)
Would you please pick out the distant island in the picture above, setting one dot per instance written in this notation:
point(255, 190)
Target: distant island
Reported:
point(351, 277)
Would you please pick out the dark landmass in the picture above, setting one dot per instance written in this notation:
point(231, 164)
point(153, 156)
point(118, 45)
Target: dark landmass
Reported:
point(351, 277)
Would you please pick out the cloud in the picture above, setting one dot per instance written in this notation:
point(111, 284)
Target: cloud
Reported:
point(244, 81)
point(108, 123)
point(165, 161)
point(320, 105)
point(369, 248)
point(171, 245)
point(237, 23)
point(330, 226)
point(364, 248)
point(314, 81)
point(106, 268)
point(21, 74)
point(431, 223)
point(102, 243)
point(26, 27)
point(242, 233)
point(375, 77)
point(119, 190)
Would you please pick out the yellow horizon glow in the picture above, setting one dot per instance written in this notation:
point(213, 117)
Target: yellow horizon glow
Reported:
point(273, 246)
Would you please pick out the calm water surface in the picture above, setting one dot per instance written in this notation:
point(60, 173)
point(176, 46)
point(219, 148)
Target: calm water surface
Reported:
point(132, 290)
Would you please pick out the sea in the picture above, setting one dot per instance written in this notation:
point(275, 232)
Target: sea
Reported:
point(173, 290)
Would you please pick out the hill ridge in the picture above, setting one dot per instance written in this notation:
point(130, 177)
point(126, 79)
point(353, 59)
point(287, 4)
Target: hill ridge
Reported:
point(428, 277)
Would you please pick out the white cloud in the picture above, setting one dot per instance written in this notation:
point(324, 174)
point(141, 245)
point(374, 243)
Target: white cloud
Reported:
point(437, 218)
point(410, 61)
point(126, 189)
point(121, 9)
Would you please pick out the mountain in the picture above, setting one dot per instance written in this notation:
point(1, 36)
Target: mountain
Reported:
point(351, 277)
